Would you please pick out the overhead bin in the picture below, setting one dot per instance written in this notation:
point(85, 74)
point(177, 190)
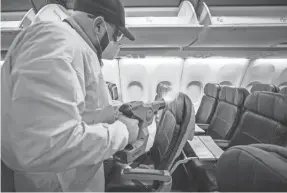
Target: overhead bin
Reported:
point(162, 27)
point(12, 24)
point(242, 26)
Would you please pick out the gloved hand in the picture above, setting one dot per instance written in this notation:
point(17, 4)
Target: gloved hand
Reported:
point(132, 126)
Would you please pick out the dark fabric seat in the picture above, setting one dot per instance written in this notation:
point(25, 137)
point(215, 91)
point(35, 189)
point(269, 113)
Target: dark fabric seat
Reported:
point(253, 168)
point(227, 113)
point(177, 124)
point(161, 90)
point(7, 178)
point(264, 121)
point(208, 103)
point(113, 90)
point(264, 87)
point(283, 91)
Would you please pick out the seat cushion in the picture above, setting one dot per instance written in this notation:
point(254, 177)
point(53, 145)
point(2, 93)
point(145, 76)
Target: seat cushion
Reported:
point(208, 103)
point(254, 168)
point(264, 87)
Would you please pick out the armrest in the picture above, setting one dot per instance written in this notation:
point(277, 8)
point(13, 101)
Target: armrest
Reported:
point(146, 174)
point(223, 144)
point(203, 126)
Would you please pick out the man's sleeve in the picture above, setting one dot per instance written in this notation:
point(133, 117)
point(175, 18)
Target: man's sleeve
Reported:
point(48, 132)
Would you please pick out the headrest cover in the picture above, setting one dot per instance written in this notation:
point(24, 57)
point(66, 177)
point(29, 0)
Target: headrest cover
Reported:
point(232, 95)
point(162, 89)
point(264, 87)
point(283, 91)
point(270, 105)
point(212, 90)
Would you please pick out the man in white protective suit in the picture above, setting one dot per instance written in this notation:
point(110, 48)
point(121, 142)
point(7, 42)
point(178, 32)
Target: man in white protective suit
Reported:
point(57, 122)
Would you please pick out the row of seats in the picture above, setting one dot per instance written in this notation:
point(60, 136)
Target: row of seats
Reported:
point(239, 119)
point(253, 168)
point(212, 110)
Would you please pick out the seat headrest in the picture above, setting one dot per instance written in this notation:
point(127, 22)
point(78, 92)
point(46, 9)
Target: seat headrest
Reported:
point(177, 107)
point(283, 91)
point(232, 95)
point(264, 87)
point(212, 90)
point(267, 104)
point(162, 89)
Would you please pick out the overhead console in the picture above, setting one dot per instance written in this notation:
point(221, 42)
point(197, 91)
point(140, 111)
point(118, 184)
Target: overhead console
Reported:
point(239, 31)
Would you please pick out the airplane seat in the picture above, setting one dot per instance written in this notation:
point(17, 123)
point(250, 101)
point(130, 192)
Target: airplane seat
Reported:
point(177, 124)
point(7, 178)
point(264, 87)
point(253, 168)
point(263, 121)
point(283, 91)
point(162, 89)
point(113, 90)
point(227, 113)
point(208, 103)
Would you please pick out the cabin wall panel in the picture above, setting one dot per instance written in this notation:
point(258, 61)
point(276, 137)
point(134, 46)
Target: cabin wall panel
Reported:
point(198, 72)
point(140, 77)
point(267, 71)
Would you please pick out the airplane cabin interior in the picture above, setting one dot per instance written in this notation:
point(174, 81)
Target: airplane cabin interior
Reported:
point(222, 67)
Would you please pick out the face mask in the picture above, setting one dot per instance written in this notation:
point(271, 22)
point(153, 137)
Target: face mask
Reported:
point(110, 48)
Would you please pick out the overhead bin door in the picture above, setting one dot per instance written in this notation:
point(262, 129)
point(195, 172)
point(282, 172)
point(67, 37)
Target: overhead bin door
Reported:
point(254, 26)
point(162, 27)
point(197, 72)
point(268, 71)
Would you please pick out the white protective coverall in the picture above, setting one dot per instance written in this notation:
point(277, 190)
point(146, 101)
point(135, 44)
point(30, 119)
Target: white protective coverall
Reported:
point(52, 89)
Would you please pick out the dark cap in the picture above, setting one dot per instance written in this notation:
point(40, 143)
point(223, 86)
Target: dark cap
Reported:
point(112, 10)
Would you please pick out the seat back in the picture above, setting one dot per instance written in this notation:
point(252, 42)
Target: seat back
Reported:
point(283, 91)
point(227, 113)
point(113, 90)
point(264, 87)
point(253, 168)
point(264, 120)
point(161, 90)
point(7, 178)
point(208, 103)
point(176, 126)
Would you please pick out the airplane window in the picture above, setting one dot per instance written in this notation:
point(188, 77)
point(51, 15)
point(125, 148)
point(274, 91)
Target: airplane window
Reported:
point(226, 83)
point(194, 90)
point(135, 90)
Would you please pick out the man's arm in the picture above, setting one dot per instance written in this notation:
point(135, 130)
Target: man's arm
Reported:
point(48, 131)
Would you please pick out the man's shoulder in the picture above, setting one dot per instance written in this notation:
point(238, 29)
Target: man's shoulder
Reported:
point(47, 27)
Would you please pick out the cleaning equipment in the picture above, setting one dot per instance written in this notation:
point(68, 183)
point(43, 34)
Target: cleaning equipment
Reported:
point(144, 112)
